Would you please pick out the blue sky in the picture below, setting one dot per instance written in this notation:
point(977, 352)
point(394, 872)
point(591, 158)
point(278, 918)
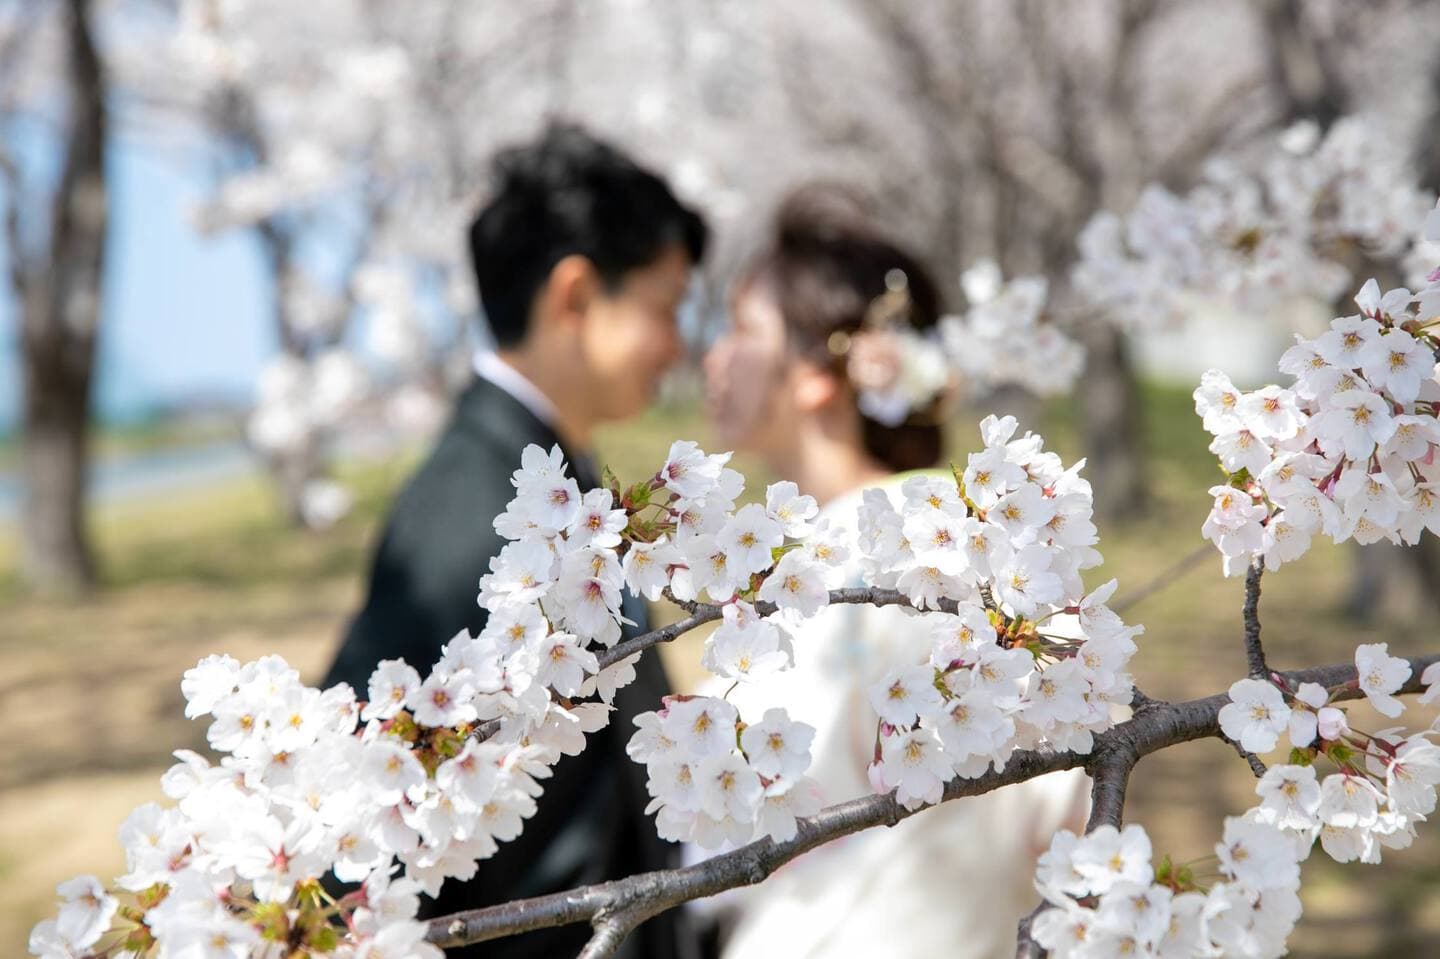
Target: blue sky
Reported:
point(184, 315)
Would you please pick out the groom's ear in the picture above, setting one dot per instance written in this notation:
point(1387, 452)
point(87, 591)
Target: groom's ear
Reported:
point(570, 290)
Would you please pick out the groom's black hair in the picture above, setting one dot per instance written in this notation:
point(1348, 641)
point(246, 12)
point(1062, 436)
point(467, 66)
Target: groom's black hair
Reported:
point(562, 194)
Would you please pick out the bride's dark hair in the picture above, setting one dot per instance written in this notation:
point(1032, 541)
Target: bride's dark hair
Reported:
point(824, 265)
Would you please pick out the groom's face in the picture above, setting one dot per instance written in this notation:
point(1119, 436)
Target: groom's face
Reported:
point(629, 338)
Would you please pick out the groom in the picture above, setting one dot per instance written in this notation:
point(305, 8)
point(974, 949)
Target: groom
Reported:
point(582, 258)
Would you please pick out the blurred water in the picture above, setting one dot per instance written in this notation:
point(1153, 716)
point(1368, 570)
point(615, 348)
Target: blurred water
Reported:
point(149, 473)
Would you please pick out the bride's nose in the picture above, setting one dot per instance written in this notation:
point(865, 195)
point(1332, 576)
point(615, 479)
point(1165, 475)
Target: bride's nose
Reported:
point(713, 364)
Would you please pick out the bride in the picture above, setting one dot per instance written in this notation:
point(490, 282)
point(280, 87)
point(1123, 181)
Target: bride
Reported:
point(804, 378)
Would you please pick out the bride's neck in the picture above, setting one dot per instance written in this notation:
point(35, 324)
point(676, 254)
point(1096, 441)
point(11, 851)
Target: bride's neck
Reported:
point(825, 465)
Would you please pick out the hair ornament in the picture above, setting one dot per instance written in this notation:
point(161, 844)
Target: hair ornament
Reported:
point(898, 373)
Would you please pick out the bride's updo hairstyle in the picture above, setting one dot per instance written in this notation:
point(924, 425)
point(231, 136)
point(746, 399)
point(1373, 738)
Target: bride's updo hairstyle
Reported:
point(825, 265)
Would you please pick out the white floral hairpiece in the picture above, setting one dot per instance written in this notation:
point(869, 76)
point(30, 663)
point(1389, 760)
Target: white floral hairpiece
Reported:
point(896, 370)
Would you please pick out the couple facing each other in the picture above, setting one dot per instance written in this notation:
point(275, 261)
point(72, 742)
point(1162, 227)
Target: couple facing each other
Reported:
point(583, 259)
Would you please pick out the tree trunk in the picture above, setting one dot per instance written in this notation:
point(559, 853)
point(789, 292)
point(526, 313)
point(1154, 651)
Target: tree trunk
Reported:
point(1112, 424)
point(291, 475)
point(290, 472)
point(57, 558)
point(61, 311)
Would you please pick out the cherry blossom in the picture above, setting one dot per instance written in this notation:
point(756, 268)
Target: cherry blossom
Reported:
point(1380, 675)
point(1255, 716)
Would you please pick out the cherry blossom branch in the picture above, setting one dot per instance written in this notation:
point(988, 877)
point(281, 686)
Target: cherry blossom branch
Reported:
point(616, 907)
point(1025, 945)
point(1254, 652)
point(702, 613)
point(1178, 569)
point(1257, 765)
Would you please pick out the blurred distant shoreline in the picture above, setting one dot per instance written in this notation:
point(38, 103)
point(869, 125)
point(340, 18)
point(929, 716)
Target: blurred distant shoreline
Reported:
point(138, 461)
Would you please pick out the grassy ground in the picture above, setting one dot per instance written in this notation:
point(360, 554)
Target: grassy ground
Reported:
point(92, 705)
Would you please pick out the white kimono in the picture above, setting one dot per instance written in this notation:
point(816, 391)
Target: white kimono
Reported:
point(950, 881)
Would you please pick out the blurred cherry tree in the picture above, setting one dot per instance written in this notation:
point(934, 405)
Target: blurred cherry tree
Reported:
point(53, 206)
point(985, 131)
point(350, 137)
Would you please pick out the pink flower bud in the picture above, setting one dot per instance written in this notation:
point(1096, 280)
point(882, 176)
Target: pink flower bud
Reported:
point(877, 780)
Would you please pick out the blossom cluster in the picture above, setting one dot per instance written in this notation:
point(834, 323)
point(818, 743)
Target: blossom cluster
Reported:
point(716, 780)
point(1385, 781)
point(1020, 654)
point(989, 561)
point(426, 775)
point(1347, 450)
point(317, 109)
point(1110, 900)
point(712, 777)
point(1002, 340)
point(1255, 233)
point(434, 771)
point(308, 783)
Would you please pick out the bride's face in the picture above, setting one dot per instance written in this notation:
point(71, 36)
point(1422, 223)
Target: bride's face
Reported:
point(746, 375)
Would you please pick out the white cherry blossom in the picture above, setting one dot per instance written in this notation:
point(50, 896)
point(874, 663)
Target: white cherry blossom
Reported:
point(1255, 716)
point(1381, 675)
point(914, 765)
point(778, 747)
point(785, 504)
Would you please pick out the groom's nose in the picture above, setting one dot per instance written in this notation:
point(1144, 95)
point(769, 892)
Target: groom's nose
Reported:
point(672, 350)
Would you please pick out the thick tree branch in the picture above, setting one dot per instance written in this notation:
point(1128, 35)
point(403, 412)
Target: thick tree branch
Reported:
point(1140, 702)
point(1109, 767)
point(625, 903)
point(1109, 770)
point(610, 933)
point(1254, 652)
point(650, 893)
